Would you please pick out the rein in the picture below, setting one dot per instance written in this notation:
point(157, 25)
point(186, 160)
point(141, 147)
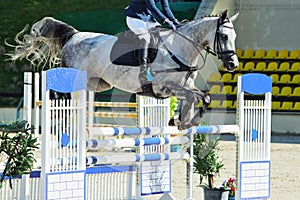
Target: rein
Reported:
point(183, 67)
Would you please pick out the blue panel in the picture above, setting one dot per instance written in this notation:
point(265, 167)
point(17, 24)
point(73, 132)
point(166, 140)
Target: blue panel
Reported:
point(65, 140)
point(254, 135)
point(255, 83)
point(66, 80)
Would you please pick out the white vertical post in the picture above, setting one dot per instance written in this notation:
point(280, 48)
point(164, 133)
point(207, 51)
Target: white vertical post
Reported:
point(36, 106)
point(268, 104)
point(25, 181)
point(91, 97)
point(82, 130)
point(27, 97)
point(45, 136)
point(190, 165)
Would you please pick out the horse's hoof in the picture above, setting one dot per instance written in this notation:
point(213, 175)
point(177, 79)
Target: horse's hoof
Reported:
point(174, 121)
point(184, 126)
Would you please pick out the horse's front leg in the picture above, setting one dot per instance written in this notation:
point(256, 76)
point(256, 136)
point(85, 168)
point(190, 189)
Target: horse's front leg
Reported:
point(189, 96)
point(205, 98)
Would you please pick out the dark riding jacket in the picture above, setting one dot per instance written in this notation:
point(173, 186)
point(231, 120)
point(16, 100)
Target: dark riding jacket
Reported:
point(146, 10)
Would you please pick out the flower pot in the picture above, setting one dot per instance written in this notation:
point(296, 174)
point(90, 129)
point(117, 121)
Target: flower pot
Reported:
point(231, 198)
point(215, 194)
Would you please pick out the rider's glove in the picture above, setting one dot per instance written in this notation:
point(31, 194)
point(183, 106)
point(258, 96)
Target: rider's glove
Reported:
point(169, 24)
point(176, 22)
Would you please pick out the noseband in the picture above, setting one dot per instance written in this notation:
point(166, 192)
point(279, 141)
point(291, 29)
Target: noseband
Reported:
point(217, 44)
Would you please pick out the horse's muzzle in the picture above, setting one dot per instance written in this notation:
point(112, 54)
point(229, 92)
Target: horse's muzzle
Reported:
point(231, 66)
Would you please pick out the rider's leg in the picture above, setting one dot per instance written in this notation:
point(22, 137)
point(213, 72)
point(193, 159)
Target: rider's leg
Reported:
point(143, 60)
point(141, 29)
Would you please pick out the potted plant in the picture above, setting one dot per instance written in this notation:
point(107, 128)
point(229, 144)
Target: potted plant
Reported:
point(17, 146)
point(208, 164)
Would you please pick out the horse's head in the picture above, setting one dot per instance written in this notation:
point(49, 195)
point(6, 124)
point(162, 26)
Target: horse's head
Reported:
point(224, 41)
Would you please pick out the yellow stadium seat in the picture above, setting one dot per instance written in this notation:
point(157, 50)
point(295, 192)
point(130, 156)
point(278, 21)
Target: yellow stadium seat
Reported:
point(249, 66)
point(215, 89)
point(285, 78)
point(240, 67)
point(282, 54)
point(234, 105)
point(227, 89)
point(284, 66)
point(286, 105)
point(296, 92)
point(285, 91)
point(260, 66)
point(272, 66)
point(235, 77)
point(275, 105)
point(295, 67)
point(227, 77)
point(239, 52)
point(216, 77)
point(275, 90)
point(234, 90)
point(294, 54)
point(275, 78)
point(272, 53)
point(296, 106)
point(248, 53)
point(296, 79)
point(260, 53)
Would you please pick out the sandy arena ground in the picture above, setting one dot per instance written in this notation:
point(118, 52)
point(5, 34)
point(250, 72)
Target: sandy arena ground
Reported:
point(285, 172)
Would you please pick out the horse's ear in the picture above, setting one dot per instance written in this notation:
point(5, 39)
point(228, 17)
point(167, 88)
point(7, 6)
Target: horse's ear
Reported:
point(224, 15)
point(234, 17)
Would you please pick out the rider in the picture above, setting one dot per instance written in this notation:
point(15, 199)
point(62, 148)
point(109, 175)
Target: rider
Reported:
point(141, 15)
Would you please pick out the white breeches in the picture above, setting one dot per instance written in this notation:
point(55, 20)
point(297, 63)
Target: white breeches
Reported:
point(141, 28)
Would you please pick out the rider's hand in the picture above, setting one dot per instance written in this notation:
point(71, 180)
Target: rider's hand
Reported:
point(176, 22)
point(170, 24)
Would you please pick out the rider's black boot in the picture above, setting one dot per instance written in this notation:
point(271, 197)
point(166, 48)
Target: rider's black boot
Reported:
point(143, 60)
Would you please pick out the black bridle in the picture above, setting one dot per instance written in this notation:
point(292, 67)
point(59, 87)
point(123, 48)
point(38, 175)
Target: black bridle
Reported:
point(218, 51)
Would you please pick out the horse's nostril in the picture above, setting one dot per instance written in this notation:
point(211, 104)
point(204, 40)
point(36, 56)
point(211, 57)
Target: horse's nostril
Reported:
point(232, 65)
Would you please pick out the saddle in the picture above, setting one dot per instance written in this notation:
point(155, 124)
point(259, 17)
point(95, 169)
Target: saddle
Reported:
point(125, 49)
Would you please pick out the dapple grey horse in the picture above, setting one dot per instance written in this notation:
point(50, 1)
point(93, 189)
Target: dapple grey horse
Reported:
point(174, 68)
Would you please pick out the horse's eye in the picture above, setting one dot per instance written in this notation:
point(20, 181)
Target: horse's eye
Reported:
point(224, 37)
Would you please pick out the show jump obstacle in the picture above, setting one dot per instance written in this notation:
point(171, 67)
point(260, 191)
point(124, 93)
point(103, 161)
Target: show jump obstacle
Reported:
point(78, 161)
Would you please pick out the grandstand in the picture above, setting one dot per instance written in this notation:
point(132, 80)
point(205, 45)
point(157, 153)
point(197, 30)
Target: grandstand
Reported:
point(283, 66)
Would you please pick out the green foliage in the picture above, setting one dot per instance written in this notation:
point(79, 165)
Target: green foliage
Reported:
point(173, 106)
point(206, 159)
point(18, 145)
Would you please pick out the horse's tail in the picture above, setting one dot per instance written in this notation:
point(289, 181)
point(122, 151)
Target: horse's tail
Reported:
point(42, 52)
